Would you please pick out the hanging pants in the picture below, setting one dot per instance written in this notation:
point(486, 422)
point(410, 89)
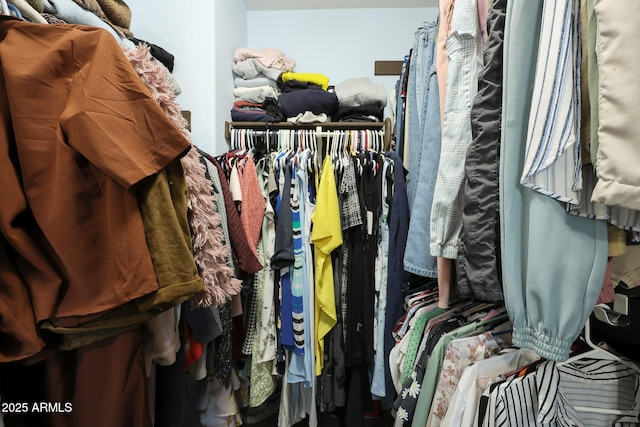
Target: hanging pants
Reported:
point(553, 264)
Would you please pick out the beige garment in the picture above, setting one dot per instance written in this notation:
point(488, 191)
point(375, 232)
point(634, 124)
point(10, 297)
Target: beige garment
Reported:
point(626, 268)
point(94, 7)
point(617, 240)
point(163, 338)
point(442, 58)
point(117, 12)
point(198, 369)
point(618, 154)
point(309, 117)
point(29, 12)
point(269, 57)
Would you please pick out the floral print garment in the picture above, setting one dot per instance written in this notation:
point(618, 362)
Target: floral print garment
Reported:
point(460, 353)
point(411, 391)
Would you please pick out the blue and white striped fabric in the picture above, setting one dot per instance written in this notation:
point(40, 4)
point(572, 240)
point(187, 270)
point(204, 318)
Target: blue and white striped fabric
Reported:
point(553, 159)
point(297, 274)
point(301, 366)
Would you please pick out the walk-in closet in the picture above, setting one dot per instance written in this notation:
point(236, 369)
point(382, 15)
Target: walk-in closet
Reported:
point(359, 213)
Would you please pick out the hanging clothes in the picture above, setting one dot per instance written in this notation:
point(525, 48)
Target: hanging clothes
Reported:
point(326, 236)
point(263, 350)
point(115, 244)
point(617, 185)
point(424, 151)
point(478, 269)
point(209, 250)
point(618, 215)
point(553, 156)
point(464, 403)
point(398, 234)
point(378, 388)
point(118, 364)
point(532, 398)
point(541, 318)
point(464, 45)
point(361, 205)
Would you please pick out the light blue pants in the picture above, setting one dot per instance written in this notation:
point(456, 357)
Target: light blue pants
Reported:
point(553, 263)
point(424, 156)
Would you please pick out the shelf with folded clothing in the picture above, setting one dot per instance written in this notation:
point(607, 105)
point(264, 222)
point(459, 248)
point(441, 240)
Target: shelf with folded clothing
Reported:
point(385, 127)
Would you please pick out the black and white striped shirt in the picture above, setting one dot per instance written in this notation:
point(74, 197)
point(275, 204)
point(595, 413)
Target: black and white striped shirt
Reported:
point(532, 399)
point(549, 393)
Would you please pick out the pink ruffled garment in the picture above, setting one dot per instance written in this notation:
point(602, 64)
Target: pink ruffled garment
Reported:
point(207, 237)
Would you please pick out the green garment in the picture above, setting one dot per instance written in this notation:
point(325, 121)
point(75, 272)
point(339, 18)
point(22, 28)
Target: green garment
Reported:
point(415, 337)
point(434, 364)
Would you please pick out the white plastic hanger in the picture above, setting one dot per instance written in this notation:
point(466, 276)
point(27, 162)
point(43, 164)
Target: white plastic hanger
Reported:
point(600, 353)
point(596, 352)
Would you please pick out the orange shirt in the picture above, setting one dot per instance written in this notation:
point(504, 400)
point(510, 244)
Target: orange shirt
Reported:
point(78, 130)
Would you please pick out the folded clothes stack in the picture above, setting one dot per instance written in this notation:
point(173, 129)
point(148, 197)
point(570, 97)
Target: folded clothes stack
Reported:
point(267, 89)
point(256, 91)
point(360, 99)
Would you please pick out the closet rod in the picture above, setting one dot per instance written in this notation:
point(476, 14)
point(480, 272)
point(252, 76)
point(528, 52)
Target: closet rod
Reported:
point(385, 126)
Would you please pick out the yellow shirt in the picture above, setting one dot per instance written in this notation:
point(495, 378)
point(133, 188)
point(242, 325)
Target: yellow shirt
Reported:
point(318, 79)
point(326, 236)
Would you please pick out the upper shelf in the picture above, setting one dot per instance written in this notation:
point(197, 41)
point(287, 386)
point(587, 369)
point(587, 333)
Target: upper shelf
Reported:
point(385, 126)
point(336, 4)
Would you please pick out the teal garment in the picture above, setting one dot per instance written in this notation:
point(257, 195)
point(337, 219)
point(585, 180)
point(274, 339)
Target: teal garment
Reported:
point(553, 263)
point(415, 337)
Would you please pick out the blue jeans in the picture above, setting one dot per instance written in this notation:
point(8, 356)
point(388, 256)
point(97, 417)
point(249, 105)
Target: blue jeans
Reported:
point(424, 151)
point(420, 64)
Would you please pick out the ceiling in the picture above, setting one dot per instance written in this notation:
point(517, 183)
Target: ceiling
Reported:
point(335, 4)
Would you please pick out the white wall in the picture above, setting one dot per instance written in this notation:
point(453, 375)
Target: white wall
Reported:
point(200, 34)
point(230, 33)
point(340, 43)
